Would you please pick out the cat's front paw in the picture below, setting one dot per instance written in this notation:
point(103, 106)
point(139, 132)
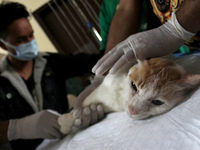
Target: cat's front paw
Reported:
point(66, 121)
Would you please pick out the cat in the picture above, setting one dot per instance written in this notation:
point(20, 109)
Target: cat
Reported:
point(150, 87)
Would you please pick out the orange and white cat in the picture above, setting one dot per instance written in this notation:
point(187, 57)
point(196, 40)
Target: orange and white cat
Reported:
point(149, 88)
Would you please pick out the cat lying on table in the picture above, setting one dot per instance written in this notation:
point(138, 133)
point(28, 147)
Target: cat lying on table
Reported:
point(149, 88)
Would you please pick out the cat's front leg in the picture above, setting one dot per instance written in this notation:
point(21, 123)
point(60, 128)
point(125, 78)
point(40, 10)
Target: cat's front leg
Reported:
point(66, 122)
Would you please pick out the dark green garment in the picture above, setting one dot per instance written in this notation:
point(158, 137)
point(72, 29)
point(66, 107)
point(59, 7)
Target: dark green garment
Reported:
point(108, 9)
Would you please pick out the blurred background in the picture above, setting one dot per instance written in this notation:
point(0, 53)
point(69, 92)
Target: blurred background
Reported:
point(42, 39)
point(65, 26)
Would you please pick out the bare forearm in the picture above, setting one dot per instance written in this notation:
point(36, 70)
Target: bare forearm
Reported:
point(126, 21)
point(3, 131)
point(189, 15)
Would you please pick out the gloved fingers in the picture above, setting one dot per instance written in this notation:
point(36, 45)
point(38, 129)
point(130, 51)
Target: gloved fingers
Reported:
point(100, 112)
point(94, 113)
point(55, 133)
point(91, 115)
point(77, 112)
point(56, 125)
point(129, 55)
point(77, 123)
point(125, 59)
point(53, 112)
point(86, 119)
point(81, 97)
point(51, 118)
point(118, 65)
point(109, 62)
point(52, 128)
point(105, 57)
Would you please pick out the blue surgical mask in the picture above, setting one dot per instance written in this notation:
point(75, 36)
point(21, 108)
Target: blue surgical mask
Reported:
point(24, 52)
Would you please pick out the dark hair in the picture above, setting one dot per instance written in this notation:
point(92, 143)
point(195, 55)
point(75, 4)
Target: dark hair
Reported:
point(9, 12)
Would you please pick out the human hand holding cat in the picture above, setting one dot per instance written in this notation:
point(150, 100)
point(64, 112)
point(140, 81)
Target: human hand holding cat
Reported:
point(88, 116)
point(82, 117)
point(81, 97)
point(40, 125)
point(160, 41)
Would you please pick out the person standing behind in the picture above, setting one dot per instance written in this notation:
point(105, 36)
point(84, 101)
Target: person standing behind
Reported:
point(180, 24)
point(119, 19)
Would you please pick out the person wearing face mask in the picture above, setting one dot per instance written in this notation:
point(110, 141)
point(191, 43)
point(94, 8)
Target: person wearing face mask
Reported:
point(32, 84)
point(24, 52)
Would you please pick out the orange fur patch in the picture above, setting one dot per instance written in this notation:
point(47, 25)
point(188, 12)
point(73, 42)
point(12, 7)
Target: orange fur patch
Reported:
point(150, 70)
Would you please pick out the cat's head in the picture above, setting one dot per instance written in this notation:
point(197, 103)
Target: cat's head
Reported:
point(156, 86)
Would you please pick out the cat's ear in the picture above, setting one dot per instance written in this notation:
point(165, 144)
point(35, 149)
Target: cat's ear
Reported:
point(141, 61)
point(188, 84)
point(192, 80)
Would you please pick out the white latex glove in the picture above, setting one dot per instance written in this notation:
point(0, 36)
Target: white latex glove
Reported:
point(160, 41)
point(81, 117)
point(89, 115)
point(43, 125)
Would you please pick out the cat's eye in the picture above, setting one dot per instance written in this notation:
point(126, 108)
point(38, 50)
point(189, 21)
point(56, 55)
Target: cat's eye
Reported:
point(134, 86)
point(157, 102)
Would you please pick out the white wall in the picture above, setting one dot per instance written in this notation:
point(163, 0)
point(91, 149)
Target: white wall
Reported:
point(43, 41)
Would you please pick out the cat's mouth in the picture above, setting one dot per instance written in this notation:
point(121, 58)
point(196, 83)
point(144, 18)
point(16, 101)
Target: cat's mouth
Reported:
point(134, 114)
point(139, 116)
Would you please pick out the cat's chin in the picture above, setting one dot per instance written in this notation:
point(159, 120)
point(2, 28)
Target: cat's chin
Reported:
point(139, 116)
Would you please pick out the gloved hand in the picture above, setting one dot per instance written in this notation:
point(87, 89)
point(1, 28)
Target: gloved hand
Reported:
point(90, 115)
point(43, 125)
point(93, 113)
point(160, 41)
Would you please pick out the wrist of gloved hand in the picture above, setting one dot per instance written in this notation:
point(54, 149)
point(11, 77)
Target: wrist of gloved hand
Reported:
point(157, 42)
point(161, 41)
point(40, 125)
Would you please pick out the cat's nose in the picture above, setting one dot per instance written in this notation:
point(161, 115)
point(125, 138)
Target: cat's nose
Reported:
point(132, 112)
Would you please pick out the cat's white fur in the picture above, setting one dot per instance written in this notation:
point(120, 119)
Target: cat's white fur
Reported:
point(111, 93)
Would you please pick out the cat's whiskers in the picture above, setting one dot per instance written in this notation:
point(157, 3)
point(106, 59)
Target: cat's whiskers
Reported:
point(158, 110)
